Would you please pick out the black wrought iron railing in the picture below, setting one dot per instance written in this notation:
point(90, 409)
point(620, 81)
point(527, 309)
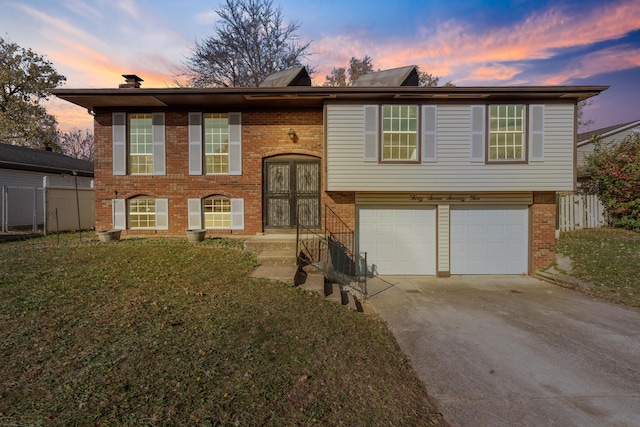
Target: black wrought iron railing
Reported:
point(333, 251)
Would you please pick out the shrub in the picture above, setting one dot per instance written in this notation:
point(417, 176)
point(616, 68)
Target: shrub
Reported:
point(615, 170)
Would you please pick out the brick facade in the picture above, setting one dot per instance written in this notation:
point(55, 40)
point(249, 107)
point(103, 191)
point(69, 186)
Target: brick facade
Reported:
point(264, 134)
point(543, 230)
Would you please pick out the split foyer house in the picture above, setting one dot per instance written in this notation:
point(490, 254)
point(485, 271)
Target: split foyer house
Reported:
point(434, 181)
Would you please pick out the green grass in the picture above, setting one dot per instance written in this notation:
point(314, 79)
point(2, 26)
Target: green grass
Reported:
point(162, 332)
point(609, 259)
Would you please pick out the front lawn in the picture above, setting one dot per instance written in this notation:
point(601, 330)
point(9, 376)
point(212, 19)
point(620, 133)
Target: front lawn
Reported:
point(162, 332)
point(609, 259)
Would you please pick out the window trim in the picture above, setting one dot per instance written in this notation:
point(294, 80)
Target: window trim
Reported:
point(418, 133)
point(197, 157)
point(121, 144)
point(155, 209)
point(204, 213)
point(525, 137)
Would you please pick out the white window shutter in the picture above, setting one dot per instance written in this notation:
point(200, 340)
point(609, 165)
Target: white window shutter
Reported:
point(195, 144)
point(119, 139)
point(371, 141)
point(235, 143)
point(119, 212)
point(429, 135)
point(195, 214)
point(162, 214)
point(237, 214)
point(536, 133)
point(477, 142)
point(157, 122)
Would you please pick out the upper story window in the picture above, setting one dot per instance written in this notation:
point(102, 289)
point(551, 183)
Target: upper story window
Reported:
point(507, 137)
point(216, 143)
point(400, 132)
point(140, 144)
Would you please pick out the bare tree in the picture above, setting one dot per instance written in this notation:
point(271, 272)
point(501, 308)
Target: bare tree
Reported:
point(77, 143)
point(582, 122)
point(25, 77)
point(429, 80)
point(357, 67)
point(251, 41)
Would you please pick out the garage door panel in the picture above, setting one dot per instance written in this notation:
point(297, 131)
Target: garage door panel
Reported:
point(398, 241)
point(489, 240)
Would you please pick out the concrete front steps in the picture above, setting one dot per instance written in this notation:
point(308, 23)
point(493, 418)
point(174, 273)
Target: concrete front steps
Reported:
point(277, 259)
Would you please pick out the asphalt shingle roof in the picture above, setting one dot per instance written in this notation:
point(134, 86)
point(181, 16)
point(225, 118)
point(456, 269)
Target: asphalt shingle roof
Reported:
point(29, 159)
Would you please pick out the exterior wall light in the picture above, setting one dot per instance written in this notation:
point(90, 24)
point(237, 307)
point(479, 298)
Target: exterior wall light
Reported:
point(292, 135)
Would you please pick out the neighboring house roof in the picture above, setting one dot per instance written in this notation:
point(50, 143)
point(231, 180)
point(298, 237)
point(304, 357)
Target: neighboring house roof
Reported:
point(585, 137)
point(29, 159)
point(403, 76)
point(292, 77)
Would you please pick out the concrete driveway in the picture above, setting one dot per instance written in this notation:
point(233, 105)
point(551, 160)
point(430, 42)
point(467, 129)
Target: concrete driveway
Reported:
point(515, 351)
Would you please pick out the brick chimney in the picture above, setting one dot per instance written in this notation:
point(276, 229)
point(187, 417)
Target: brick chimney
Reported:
point(132, 81)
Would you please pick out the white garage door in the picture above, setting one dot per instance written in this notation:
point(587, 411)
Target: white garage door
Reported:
point(489, 240)
point(398, 241)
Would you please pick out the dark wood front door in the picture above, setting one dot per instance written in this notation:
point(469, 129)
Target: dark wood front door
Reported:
point(291, 191)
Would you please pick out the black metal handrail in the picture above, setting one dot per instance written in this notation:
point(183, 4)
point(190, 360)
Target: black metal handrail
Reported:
point(333, 253)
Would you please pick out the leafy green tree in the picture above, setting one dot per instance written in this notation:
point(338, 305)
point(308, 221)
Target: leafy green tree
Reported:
point(615, 170)
point(25, 77)
point(251, 41)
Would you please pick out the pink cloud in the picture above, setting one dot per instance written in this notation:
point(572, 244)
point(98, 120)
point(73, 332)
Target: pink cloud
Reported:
point(603, 61)
point(456, 50)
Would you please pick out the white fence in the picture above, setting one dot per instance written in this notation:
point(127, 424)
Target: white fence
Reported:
point(578, 211)
point(47, 209)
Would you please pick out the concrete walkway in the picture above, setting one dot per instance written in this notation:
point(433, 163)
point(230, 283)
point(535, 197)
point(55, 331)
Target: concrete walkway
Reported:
point(515, 351)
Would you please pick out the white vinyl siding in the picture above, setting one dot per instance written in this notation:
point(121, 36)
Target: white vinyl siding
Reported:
point(453, 171)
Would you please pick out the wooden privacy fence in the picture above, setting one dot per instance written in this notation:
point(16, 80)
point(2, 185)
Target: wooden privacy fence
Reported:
point(49, 209)
point(578, 211)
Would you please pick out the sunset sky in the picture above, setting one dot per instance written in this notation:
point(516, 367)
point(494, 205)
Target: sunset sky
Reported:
point(471, 43)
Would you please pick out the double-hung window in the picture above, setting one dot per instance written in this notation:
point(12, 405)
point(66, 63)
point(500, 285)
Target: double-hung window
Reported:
point(400, 133)
point(138, 143)
point(215, 144)
point(507, 133)
point(507, 137)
